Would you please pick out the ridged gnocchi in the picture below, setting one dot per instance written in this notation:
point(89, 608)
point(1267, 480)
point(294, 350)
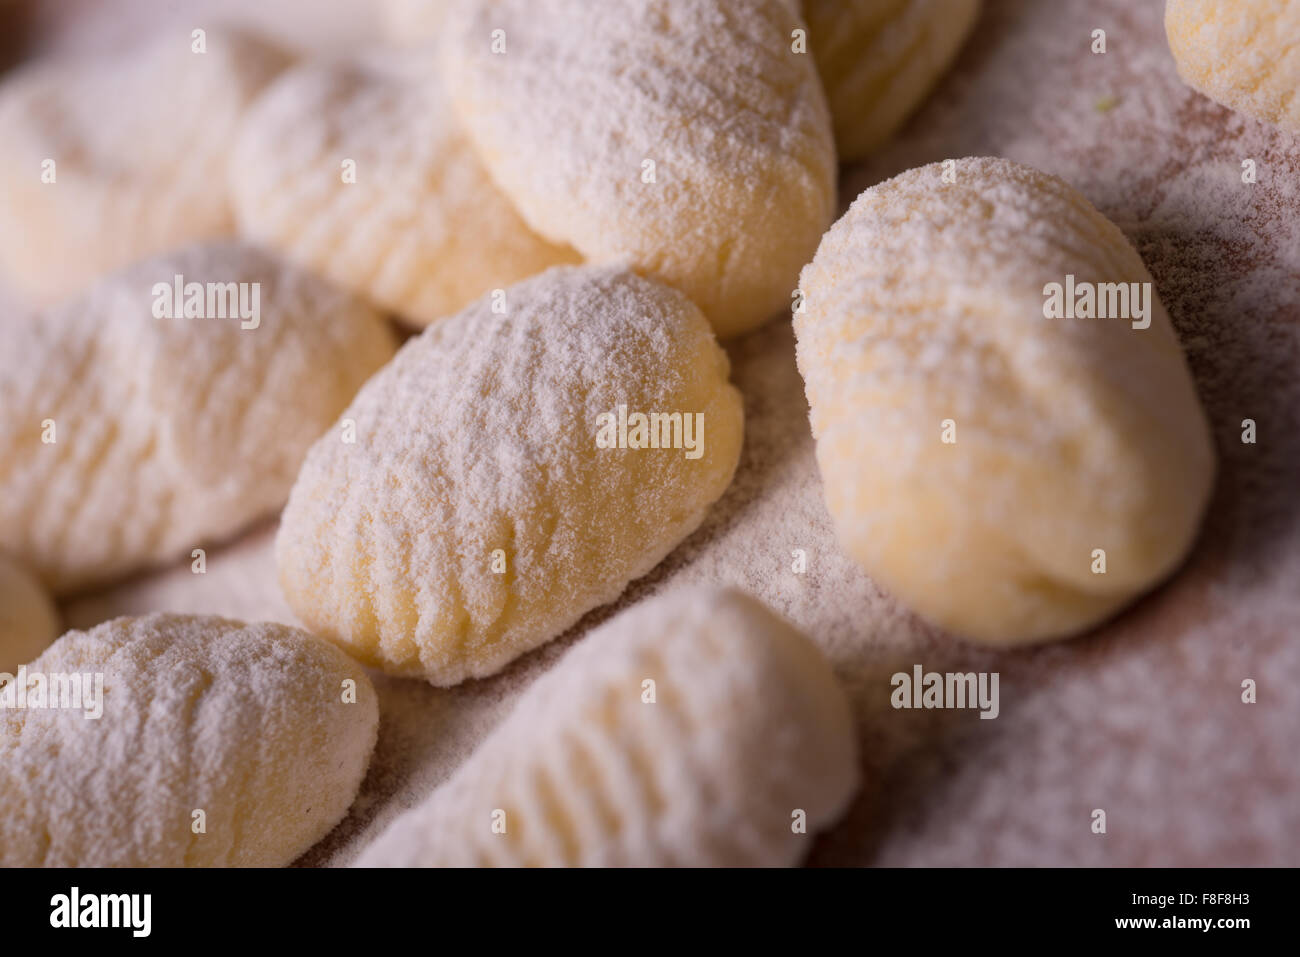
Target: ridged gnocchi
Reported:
point(360, 172)
point(878, 59)
point(131, 433)
point(500, 483)
point(217, 744)
point(696, 729)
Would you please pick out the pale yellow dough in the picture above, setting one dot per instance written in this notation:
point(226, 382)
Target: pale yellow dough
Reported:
point(248, 724)
point(475, 517)
point(28, 619)
point(139, 143)
point(1243, 53)
point(693, 730)
point(925, 303)
point(127, 440)
point(878, 59)
point(414, 224)
point(685, 138)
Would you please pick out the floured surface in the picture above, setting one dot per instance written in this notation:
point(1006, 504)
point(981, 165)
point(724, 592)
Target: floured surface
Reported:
point(77, 26)
point(1143, 717)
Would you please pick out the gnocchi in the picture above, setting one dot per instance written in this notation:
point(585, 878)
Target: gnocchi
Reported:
point(218, 744)
point(107, 161)
point(696, 729)
point(1010, 476)
point(1244, 54)
point(360, 173)
point(685, 139)
point(151, 416)
point(511, 470)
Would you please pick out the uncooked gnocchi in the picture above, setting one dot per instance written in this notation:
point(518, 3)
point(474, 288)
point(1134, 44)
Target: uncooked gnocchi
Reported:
point(216, 744)
point(878, 59)
point(1245, 54)
point(28, 619)
point(685, 138)
point(128, 438)
point(1012, 477)
point(107, 161)
point(360, 172)
point(696, 729)
point(514, 467)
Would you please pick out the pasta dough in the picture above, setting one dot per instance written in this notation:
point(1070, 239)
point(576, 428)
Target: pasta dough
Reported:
point(262, 728)
point(1244, 54)
point(878, 59)
point(486, 503)
point(684, 138)
point(1011, 477)
point(28, 619)
point(128, 438)
point(360, 173)
point(107, 161)
point(695, 729)
point(413, 21)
